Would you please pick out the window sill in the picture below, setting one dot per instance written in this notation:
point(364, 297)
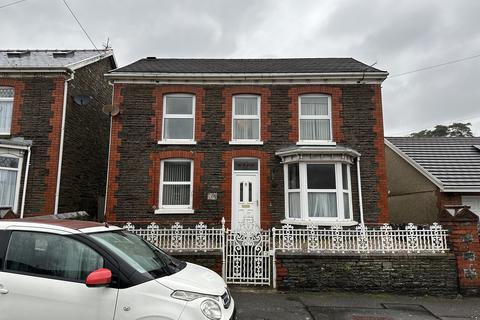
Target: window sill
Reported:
point(172, 142)
point(174, 211)
point(246, 142)
point(316, 143)
point(326, 223)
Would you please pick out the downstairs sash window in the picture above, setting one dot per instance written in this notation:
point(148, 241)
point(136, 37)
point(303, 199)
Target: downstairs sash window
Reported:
point(318, 191)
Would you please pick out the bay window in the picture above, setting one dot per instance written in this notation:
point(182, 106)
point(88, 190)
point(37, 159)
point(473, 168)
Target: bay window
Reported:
point(6, 109)
point(318, 191)
point(176, 186)
point(178, 118)
point(246, 118)
point(9, 181)
point(315, 118)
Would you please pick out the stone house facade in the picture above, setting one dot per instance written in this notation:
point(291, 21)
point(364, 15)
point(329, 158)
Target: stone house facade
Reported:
point(266, 140)
point(53, 134)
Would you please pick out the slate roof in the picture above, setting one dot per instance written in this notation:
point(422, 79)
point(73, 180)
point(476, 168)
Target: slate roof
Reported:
point(222, 66)
point(454, 162)
point(26, 58)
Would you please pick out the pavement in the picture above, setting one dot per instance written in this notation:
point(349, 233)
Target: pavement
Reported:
point(269, 304)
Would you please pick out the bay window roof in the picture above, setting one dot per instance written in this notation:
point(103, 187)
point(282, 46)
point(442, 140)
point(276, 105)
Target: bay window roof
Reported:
point(318, 153)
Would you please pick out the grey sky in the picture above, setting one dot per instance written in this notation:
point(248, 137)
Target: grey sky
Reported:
point(399, 35)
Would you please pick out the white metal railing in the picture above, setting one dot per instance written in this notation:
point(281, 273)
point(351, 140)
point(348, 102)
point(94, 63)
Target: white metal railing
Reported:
point(361, 239)
point(177, 238)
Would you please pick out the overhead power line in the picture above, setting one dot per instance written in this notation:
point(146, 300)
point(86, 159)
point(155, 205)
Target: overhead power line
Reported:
point(435, 66)
point(11, 4)
point(76, 19)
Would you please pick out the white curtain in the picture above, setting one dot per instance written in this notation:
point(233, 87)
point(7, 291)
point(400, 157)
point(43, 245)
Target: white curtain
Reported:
point(314, 106)
point(245, 129)
point(5, 116)
point(322, 204)
point(315, 129)
point(178, 128)
point(8, 183)
point(246, 106)
point(294, 205)
point(176, 194)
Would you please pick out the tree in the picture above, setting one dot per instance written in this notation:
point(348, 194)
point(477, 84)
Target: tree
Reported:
point(456, 129)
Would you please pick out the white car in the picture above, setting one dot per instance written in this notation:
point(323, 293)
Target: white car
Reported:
point(64, 269)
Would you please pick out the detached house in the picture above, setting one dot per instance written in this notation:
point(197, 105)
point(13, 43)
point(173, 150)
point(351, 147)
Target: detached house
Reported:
point(53, 134)
point(272, 141)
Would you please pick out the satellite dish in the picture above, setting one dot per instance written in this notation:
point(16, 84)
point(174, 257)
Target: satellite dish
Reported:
point(82, 100)
point(110, 109)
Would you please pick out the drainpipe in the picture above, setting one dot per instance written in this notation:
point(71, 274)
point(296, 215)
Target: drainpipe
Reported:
point(360, 201)
point(62, 136)
point(25, 181)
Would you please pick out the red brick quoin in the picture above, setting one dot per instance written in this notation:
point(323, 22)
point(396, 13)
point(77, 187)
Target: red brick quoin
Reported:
point(161, 91)
point(114, 156)
point(228, 156)
point(54, 149)
point(227, 107)
point(18, 86)
point(337, 106)
point(380, 156)
point(154, 174)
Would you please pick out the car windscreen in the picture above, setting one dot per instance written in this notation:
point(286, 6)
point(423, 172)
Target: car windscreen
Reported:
point(139, 254)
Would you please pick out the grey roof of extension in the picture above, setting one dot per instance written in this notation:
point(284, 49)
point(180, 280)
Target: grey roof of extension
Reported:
point(44, 59)
point(451, 163)
point(241, 66)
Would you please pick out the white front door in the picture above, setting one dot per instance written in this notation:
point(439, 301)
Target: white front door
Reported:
point(246, 199)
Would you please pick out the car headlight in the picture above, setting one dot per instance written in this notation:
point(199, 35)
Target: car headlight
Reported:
point(189, 296)
point(211, 309)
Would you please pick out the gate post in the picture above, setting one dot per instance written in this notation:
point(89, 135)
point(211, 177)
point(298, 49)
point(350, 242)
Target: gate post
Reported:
point(224, 248)
point(274, 263)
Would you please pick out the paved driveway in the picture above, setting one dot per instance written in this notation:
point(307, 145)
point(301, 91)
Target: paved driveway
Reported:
point(266, 304)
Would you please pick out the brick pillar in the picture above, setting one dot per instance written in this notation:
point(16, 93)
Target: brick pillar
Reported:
point(464, 241)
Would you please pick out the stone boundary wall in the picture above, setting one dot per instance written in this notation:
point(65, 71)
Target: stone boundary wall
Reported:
point(211, 259)
point(432, 274)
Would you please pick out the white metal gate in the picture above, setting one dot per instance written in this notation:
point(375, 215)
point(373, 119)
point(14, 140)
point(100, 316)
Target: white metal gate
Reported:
point(247, 255)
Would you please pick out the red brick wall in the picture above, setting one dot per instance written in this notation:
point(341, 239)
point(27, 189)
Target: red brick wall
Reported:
point(336, 96)
point(265, 108)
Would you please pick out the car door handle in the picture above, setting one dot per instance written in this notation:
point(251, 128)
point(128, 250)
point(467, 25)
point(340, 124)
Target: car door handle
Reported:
point(3, 291)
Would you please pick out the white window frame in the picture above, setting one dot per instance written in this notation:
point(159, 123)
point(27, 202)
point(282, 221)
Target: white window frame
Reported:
point(19, 174)
point(315, 117)
point(11, 99)
point(247, 117)
point(178, 116)
point(172, 209)
point(304, 218)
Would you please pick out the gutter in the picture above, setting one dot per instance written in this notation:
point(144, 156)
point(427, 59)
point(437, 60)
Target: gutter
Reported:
point(62, 137)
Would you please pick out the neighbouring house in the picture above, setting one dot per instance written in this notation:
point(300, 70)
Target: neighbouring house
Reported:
point(53, 135)
point(297, 141)
point(427, 174)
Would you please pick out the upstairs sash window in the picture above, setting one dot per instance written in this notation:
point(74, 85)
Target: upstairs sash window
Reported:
point(246, 118)
point(315, 118)
point(6, 109)
point(178, 118)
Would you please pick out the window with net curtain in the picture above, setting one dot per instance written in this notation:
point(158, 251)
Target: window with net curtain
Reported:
point(176, 184)
point(315, 118)
point(246, 118)
point(178, 117)
point(318, 191)
point(6, 109)
point(9, 169)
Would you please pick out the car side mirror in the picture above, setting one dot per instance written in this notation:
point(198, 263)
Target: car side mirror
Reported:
point(99, 278)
